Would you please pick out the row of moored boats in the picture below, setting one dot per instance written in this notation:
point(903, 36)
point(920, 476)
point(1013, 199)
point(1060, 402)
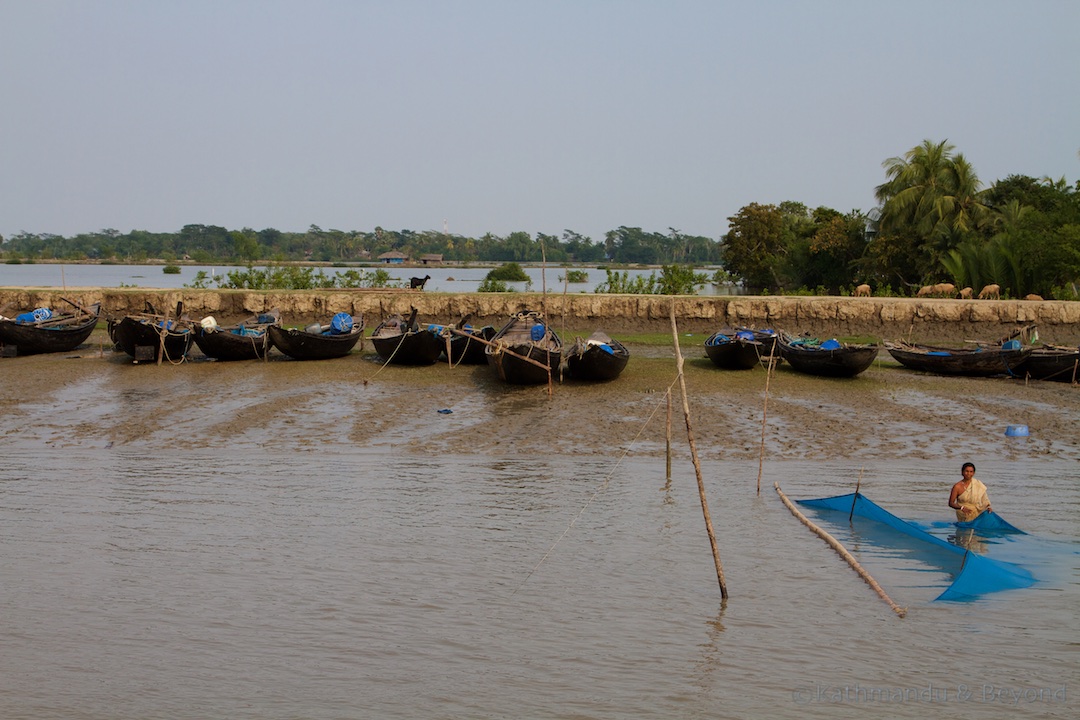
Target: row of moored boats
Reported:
point(1013, 356)
point(526, 350)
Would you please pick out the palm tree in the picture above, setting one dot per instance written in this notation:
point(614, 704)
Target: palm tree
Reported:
point(933, 197)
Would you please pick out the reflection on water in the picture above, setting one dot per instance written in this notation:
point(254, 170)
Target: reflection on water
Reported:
point(180, 582)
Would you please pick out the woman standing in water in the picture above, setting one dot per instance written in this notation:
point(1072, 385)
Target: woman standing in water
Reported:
point(968, 496)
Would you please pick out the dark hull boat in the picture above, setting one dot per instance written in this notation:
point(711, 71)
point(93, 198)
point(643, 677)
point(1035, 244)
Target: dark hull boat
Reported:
point(152, 338)
point(57, 333)
point(740, 348)
point(319, 342)
point(976, 362)
point(465, 349)
point(525, 351)
point(597, 358)
point(829, 358)
point(401, 342)
point(247, 340)
point(1050, 362)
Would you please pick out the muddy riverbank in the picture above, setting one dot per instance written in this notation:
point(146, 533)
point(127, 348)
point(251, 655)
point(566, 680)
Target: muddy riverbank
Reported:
point(95, 395)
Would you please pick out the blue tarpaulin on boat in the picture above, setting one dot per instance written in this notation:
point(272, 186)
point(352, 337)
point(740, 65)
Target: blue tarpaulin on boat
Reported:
point(36, 315)
point(341, 324)
point(977, 574)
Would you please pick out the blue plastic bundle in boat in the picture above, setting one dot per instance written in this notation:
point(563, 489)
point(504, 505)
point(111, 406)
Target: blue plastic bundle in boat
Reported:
point(744, 335)
point(607, 348)
point(537, 332)
point(341, 323)
point(1011, 345)
point(36, 315)
point(978, 575)
point(435, 329)
point(831, 344)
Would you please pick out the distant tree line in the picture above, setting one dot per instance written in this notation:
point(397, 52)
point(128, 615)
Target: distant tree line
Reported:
point(934, 222)
point(212, 244)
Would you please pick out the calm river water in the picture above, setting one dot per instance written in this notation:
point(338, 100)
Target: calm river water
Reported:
point(259, 579)
point(443, 278)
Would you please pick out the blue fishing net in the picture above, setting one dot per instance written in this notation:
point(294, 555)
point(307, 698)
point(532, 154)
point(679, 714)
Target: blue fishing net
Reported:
point(976, 575)
point(991, 523)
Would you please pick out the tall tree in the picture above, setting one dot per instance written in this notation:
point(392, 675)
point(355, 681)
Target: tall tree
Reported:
point(932, 199)
point(753, 247)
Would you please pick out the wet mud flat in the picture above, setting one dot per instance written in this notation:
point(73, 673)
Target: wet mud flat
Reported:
point(97, 397)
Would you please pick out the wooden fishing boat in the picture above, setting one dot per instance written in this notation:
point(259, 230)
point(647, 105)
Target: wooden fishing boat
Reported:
point(830, 358)
point(980, 361)
point(30, 334)
point(465, 343)
point(740, 348)
point(244, 340)
point(401, 341)
point(149, 336)
point(1052, 362)
point(525, 351)
point(597, 358)
point(317, 341)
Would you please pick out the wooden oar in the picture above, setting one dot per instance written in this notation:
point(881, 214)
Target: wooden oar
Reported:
point(78, 306)
point(500, 347)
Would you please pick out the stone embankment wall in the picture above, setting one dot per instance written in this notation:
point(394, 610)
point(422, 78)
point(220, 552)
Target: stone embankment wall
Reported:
point(934, 321)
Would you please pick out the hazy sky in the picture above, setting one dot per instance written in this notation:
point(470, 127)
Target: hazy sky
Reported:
point(498, 116)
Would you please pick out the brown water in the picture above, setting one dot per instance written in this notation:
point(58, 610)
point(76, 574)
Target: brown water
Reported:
point(300, 566)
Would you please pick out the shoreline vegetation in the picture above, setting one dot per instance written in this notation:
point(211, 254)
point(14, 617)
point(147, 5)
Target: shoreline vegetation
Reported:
point(944, 321)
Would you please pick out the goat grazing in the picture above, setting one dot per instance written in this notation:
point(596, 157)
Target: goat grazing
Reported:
point(416, 282)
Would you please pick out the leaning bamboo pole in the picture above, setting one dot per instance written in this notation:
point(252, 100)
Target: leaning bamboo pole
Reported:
point(694, 456)
point(835, 545)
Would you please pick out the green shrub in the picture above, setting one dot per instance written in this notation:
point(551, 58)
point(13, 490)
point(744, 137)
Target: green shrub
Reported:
point(491, 285)
point(510, 272)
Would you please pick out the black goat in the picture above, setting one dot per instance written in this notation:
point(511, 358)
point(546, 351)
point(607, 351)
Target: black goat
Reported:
point(418, 282)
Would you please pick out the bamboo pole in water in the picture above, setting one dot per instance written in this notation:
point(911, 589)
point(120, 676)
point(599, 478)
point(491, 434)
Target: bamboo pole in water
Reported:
point(855, 499)
point(764, 414)
point(694, 456)
point(835, 545)
point(668, 453)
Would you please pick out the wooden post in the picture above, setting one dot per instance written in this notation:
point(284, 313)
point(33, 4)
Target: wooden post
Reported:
point(835, 545)
point(764, 414)
point(694, 456)
point(162, 332)
point(855, 499)
point(668, 453)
